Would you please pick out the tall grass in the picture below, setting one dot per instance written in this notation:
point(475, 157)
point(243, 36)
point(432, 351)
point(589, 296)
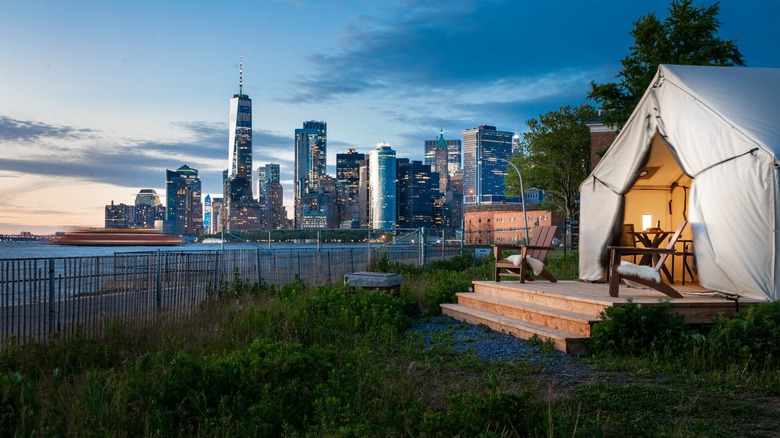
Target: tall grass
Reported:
point(299, 360)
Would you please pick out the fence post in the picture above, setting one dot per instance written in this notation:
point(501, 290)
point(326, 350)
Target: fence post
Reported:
point(259, 271)
point(216, 270)
point(159, 280)
point(422, 246)
point(369, 248)
point(51, 295)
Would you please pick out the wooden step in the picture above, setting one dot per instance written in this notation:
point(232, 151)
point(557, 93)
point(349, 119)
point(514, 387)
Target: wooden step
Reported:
point(560, 319)
point(535, 294)
point(566, 342)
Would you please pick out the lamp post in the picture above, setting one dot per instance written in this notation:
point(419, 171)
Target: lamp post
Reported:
point(522, 197)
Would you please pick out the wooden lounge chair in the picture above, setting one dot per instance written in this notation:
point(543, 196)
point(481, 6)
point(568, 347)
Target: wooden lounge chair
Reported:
point(519, 265)
point(649, 276)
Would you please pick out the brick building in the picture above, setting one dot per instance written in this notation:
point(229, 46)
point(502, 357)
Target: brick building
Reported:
point(601, 137)
point(503, 223)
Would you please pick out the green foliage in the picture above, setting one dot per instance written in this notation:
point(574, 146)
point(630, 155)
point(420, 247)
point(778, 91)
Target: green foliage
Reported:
point(301, 360)
point(497, 413)
point(750, 339)
point(333, 313)
point(556, 157)
point(688, 36)
point(563, 266)
point(264, 381)
point(637, 330)
point(19, 404)
point(546, 345)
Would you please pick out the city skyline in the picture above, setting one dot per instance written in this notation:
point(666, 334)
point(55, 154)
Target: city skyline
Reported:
point(98, 100)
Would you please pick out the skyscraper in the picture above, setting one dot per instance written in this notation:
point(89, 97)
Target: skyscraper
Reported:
point(436, 156)
point(148, 208)
point(240, 142)
point(382, 170)
point(270, 195)
point(207, 214)
point(417, 190)
point(484, 149)
point(241, 211)
point(119, 215)
point(184, 212)
point(348, 170)
point(310, 161)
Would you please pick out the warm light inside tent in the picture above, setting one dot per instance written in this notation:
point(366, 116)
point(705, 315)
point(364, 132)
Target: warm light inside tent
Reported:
point(647, 221)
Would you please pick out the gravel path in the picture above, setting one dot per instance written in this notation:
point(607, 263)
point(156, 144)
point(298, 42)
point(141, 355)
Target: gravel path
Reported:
point(444, 331)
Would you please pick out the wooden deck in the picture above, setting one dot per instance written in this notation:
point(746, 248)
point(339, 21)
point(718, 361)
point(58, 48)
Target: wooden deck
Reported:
point(564, 312)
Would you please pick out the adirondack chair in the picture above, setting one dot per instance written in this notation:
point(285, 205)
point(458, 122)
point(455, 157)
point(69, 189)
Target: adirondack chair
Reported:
point(649, 276)
point(519, 265)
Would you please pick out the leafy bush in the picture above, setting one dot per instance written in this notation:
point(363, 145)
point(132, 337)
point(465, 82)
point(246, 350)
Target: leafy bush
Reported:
point(636, 330)
point(750, 339)
point(265, 382)
point(19, 405)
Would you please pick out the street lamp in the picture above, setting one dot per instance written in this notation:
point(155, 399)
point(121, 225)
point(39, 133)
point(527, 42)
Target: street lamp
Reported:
point(522, 197)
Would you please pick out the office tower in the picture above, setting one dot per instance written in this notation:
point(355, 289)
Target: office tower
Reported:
point(277, 213)
point(417, 189)
point(517, 147)
point(320, 207)
point(348, 170)
point(216, 215)
point(207, 214)
point(119, 216)
point(184, 212)
point(241, 210)
point(383, 187)
point(240, 143)
point(485, 151)
point(148, 209)
point(437, 157)
point(364, 194)
point(453, 157)
point(270, 195)
point(310, 161)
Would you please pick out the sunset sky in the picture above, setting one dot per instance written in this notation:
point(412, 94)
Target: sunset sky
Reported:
point(99, 98)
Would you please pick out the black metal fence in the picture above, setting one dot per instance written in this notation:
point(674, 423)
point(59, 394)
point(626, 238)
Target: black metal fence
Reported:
point(41, 298)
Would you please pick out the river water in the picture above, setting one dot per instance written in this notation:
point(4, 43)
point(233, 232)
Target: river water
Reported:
point(23, 250)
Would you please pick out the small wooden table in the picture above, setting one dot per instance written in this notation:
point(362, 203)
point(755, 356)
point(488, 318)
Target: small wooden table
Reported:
point(652, 239)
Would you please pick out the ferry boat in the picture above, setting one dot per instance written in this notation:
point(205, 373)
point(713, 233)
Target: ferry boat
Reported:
point(116, 237)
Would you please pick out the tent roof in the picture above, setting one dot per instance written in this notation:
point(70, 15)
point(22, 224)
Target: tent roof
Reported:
point(746, 98)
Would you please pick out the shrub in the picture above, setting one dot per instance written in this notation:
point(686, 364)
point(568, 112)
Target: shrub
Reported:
point(636, 330)
point(749, 339)
point(19, 405)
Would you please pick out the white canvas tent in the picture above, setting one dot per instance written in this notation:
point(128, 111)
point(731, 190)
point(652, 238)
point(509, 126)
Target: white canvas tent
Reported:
point(702, 145)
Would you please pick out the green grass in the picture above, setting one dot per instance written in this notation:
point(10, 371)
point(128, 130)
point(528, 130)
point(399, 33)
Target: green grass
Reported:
point(318, 361)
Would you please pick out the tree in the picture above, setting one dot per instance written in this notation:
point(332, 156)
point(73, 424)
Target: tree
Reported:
point(556, 157)
point(689, 36)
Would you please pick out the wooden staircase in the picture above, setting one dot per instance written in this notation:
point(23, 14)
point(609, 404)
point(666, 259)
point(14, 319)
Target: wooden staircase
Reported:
point(523, 311)
point(564, 312)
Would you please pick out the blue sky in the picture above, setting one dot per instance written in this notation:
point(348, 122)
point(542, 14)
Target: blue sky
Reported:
point(98, 98)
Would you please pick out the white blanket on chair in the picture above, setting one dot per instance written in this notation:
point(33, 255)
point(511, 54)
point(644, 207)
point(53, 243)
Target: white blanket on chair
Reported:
point(536, 265)
point(643, 272)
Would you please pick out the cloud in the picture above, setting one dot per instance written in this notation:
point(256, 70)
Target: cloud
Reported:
point(470, 47)
point(27, 131)
point(65, 152)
